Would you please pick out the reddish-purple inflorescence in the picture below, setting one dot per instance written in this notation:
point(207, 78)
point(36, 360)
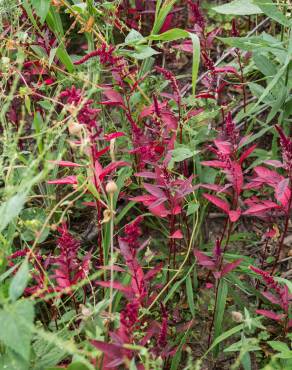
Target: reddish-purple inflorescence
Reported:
point(86, 115)
point(133, 232)
point(162, 339)
point(286, 145)
point(273, 284)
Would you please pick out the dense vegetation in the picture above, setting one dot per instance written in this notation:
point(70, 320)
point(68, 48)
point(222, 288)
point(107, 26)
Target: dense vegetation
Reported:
point(145, 184)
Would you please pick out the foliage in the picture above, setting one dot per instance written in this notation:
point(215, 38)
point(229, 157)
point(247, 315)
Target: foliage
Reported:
point(146, 170)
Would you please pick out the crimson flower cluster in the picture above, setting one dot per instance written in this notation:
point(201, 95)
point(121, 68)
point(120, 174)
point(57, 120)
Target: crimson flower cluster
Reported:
point(280, 297)
point(87, 115)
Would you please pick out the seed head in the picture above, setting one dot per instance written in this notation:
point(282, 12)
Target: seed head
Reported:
point(111, 187)
point(236, 316)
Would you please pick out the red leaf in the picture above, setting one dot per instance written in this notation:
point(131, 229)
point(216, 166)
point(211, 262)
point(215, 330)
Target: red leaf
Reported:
point(236, 177)
point(273, 299)
point(222, 204)
point(153, 272)
point(230, 266)
point(234, 215)
point(270, 314)
point(146, 199)
point(101, 152)
point(113, 97)
point(203, 260)
point(147, 175)
point(216, 164)
point(177, 235)
point(116, 285)
point(72, 180)
point(111, 167)
point(226, 69)
point(270, 177)
point(159, 211)
point(113, 135)
point(66, 163)
point(274, 163)
point(247, 153)
point(223, 146)
point(112, 350)
point(155, 190)
point(261, 208)
point(283, 193)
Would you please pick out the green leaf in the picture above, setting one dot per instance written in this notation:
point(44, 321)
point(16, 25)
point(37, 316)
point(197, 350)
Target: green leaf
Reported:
point(220, 307)
point(196, 60)
point(238, 7)
point(41, 8)
point(192, 208)
point(177, 357)
point(143, 52)
point(161, 13)
point(250, 43)
point(8, 272)
point(19, 281)
point(256, 136)
point(271, 10)
point(170, 35)
point(133, 37)
point(190, 294)
point(278, 346)
point(65, 58)
point(177, 33)
point(77, 366)
point(264, 65)
point(10, 209)
point(224, 336)
point(14, 322)
point(180, 154)
point(53, 52)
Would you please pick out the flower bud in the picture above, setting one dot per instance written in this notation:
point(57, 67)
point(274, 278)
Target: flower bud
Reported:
point(111, 187)
point(74, 128)
point(236, 316)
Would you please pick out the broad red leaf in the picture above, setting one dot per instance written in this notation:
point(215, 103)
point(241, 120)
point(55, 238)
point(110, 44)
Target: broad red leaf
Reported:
point(261, 208)
point(146, 175)
point(203, 260)
point(169, 119)
point(153, 272)
point(270, 314)
point(111, 167)
point(246, 153)
point(273, 299)
point(146, 199)
point(223, 146)
point(215, 163)
point(230, 266)
point(155, 190)
point(274, 163)
point(116, 285)
point(66, 164)
point(270, 177)
point(234, 215)
point(72, 180)
point(113, 96)
point(113, 135)
point(283, 193)
point(222, 204)
point(159, 211)
point(112, 350)
point(235, 176)
point(177, 235)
